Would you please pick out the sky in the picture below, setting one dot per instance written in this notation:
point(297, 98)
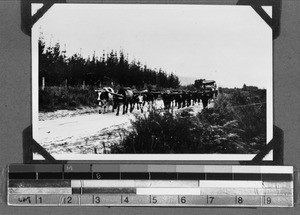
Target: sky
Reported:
point(229, 44)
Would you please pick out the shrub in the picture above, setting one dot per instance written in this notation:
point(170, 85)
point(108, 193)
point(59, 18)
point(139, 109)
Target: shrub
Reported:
point(248, 108)
point(182, 133)
point(56, 98)
point(160, 132)
point(233, 125)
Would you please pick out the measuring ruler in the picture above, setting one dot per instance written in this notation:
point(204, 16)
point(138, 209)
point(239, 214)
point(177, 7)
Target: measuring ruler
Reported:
point(150, 185)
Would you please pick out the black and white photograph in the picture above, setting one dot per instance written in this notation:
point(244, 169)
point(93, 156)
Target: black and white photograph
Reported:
point(152, 82)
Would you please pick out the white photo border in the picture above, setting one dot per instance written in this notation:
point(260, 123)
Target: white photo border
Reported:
point(142, 157)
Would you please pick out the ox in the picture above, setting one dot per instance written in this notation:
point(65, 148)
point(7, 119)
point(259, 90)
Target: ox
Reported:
point(167, 98)
point(139, 100)
point(106, 99)
point(178, 99)
point(147, 97)
point(125, 97)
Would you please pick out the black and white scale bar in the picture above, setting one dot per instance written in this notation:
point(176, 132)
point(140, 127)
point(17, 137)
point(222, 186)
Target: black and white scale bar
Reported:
point(22, 175)
point(78, 175)
point(149, 171)
point(135, 175)
point(106, 175)
point(104, 190)
point(38, 183)
point(153, 176)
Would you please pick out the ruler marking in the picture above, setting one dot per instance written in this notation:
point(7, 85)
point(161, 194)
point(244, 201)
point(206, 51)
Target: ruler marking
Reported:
point(261, 177)
point(179, 190)
point(63, 172)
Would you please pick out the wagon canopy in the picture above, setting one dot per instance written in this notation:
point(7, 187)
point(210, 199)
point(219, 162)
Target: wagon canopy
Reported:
point(208, 82)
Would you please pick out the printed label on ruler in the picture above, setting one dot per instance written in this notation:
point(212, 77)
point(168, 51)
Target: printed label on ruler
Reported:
point(220, 200)
point(135, 199)
point(192, 200)
point(21, 199)
point(243, 200)
point(47, 199)
point(69, 200)
point(106, 199)
point(160, 199)
point(273, 201)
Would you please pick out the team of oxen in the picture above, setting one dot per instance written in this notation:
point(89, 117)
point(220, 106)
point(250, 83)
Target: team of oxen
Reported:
point(129, 98)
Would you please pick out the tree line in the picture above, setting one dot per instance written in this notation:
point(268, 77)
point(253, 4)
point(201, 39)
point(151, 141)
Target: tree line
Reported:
point(111, 68)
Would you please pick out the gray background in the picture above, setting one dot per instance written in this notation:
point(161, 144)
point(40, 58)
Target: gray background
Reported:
point(15, 106)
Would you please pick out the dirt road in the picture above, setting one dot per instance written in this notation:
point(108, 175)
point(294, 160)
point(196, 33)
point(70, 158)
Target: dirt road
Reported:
point(87, 133)
point(81, 134)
